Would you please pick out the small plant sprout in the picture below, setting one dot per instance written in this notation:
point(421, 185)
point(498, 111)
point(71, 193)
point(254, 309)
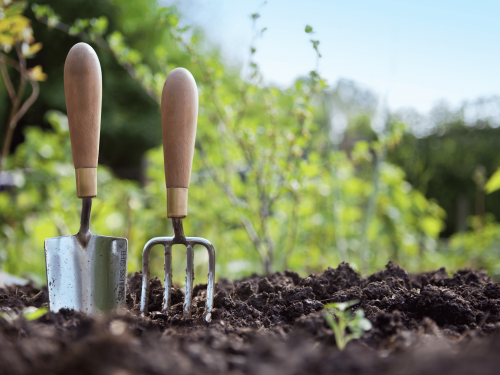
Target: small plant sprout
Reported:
point(32, 313)
point(29, 313)
point(339, 318)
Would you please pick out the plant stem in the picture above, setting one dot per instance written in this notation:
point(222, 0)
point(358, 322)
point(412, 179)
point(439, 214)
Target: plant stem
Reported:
point(6, 79)
point(16, 98)
point(16, 115)
point(291, 234)
point(370, 213)
point(364, 251)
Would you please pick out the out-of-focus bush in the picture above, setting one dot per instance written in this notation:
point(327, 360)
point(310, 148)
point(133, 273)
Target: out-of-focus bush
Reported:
point(478, 248)
point(443, 166)
point(269, 187)
point(43, 204)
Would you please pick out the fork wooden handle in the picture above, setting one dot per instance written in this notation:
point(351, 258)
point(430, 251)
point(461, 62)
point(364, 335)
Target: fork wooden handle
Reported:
point(179, 114)
point(83, 92)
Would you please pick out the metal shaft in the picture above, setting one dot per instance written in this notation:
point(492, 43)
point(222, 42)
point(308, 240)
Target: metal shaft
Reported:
point(84, 235)
point(179, 237)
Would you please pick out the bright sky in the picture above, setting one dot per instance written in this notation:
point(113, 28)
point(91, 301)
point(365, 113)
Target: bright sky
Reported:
point(418, 52)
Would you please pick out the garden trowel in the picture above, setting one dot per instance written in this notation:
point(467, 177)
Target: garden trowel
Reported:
point(85, 272)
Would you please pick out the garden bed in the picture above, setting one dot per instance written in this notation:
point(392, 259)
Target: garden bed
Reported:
point(422, 324)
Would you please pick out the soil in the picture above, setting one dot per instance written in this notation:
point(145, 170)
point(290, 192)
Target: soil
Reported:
point(422, 324)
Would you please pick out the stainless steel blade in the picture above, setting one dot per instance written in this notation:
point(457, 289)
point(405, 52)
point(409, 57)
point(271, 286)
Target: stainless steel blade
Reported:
point(91, 279)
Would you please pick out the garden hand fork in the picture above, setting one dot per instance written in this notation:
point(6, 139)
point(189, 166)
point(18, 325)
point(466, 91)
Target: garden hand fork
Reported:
point(179, 112)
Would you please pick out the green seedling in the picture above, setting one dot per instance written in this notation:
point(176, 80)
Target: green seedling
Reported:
point(32, 313)
point(8, 317)
point(29, 313)
point(339, 318)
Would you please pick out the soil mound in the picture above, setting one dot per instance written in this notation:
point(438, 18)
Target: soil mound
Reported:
point(422, 324)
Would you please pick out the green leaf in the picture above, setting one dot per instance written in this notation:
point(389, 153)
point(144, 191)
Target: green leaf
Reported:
point(308, 29)
point(342, 306)
point(493, 183)
point(173, 20)
point(32, 313)
point(359, 314)
point(329, 318)
point(73, 30)
point(7, 317)
point(100, 25)
point(364, 324)
point(58, 120)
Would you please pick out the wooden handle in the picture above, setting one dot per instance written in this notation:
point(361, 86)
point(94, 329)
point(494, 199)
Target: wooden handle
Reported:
point(83, 91)
point(179, 113)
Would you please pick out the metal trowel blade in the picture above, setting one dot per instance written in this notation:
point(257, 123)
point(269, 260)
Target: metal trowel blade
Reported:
point(92, 279)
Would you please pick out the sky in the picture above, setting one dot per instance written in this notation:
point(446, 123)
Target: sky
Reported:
point(414, 53)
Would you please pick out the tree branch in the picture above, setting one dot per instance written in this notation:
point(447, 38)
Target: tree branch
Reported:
point(11, 62)
point(6, 79)
point(16, 115)
point(29, 102)
point(292, 230)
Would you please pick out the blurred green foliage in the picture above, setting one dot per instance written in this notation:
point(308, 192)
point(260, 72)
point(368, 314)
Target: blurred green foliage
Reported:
point(129, 116)
point(479, 248)
point(442, 166)
point(43, 205)
point(493, 183)
point(270, 187)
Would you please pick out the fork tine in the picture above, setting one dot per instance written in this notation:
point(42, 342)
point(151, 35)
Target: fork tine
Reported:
point(192, 241)
point(211, 281)
point(168, 277)
point(145, 280)
point(189, 280)
point(145, 271)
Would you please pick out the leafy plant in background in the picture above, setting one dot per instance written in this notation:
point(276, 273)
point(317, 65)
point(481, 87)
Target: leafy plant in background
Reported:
point(493, 183)
point(267, 184)
point(346, 326)
point(16, 35)
point(479, 247)
point(442, 166)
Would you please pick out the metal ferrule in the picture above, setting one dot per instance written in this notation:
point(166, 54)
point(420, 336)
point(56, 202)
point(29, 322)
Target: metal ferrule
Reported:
point(86, 182)
point(177, 201)
point(189, 242)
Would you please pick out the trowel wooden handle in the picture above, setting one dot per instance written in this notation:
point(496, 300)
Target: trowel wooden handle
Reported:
point(179, 113)
point(83, 91)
